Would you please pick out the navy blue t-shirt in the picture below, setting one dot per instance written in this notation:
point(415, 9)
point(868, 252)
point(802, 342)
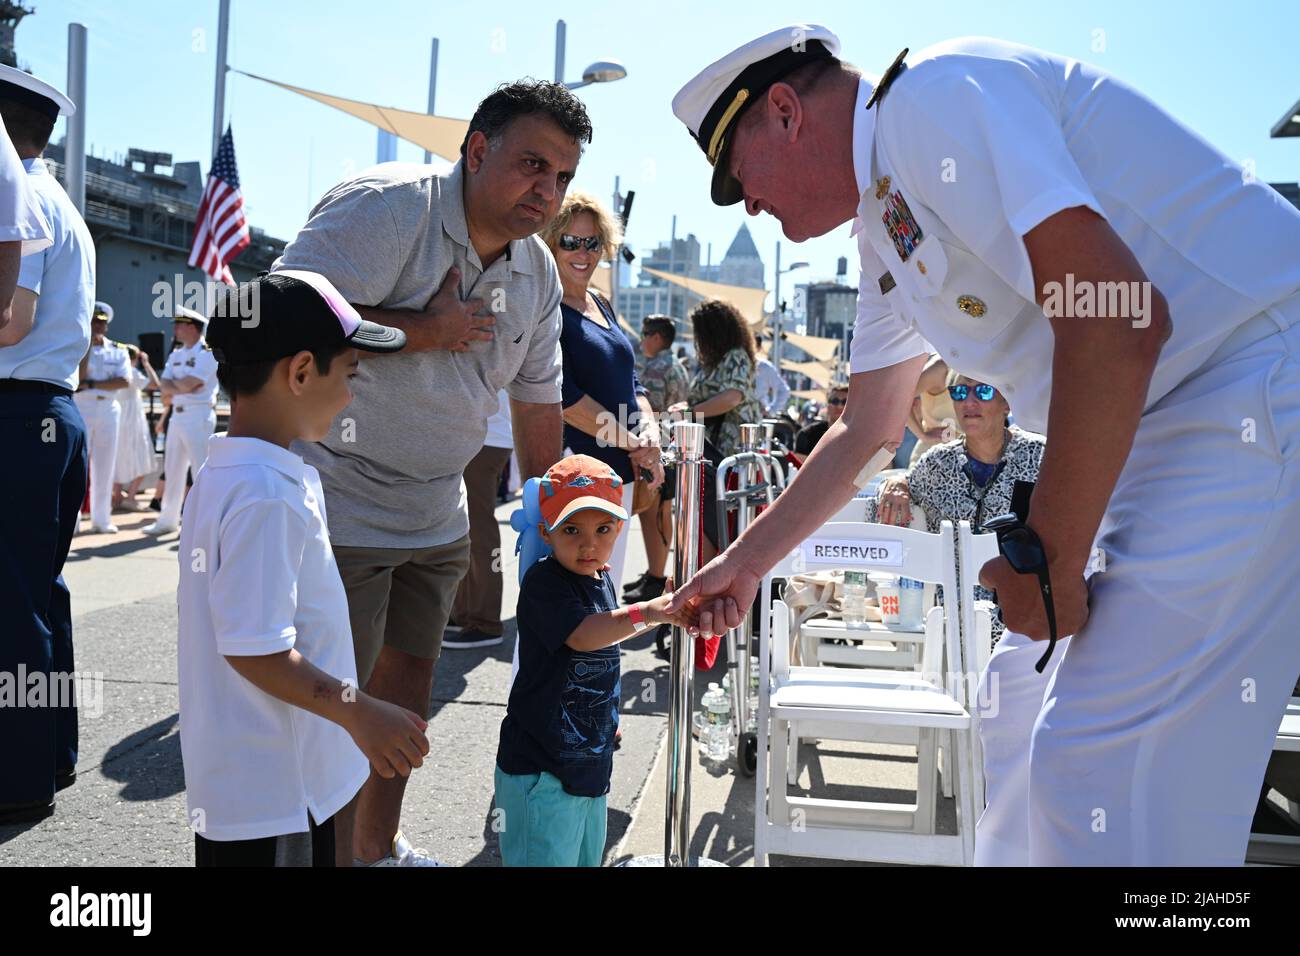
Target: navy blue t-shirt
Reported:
point(563, 707)
point(599, 362)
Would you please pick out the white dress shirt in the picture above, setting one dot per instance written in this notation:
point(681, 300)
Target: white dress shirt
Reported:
point(197, 361)
point(109, 360)
point(773, 392)
point(21, 217)
point(983, 140)
point(63, 277)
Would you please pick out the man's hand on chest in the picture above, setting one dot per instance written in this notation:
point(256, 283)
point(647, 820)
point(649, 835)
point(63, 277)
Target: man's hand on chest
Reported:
point(449, 324)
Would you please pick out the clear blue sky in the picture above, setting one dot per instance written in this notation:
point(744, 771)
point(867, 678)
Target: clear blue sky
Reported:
point(1228, 70)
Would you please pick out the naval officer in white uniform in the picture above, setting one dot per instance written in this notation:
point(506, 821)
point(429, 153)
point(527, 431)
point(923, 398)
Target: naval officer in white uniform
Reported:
point(1134, 294)
point(105, 371)
point(189, 381)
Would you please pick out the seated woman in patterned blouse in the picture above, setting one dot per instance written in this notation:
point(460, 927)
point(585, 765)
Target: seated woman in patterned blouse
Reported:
point(971, 478)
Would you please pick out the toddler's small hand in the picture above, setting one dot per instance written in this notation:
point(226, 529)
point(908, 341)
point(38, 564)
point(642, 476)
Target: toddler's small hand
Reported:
point(657, 611)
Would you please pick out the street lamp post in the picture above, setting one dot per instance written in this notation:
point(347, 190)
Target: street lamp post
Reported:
point(602, 71)
point(777, 310)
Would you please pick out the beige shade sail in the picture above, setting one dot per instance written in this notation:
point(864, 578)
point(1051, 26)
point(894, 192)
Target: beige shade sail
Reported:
point(601, 280)
point(814, 370)
point(823, 350)
point(440, 135)
point(814, 394)
point(749, 302)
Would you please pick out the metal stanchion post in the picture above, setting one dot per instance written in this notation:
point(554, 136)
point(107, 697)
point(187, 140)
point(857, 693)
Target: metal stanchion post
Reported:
point(738, 638)
point(688, 508)
point(752, 470)
point(689, 505)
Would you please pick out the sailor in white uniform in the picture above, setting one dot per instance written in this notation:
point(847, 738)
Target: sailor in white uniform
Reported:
point(189, 381)
point(1136, 296)
point(46, 300)
point(105, 371)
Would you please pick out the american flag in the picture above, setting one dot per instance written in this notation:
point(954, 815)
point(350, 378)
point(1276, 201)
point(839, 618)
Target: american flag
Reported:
point(220, 229)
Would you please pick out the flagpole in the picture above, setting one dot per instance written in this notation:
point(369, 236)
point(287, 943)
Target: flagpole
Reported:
point(219, 101)
point(433, 88)
point(74, 151)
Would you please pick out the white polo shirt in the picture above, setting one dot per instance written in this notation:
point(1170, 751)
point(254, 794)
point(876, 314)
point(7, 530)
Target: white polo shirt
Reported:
point(258, 577)
point(197, 361)
point(978, 142)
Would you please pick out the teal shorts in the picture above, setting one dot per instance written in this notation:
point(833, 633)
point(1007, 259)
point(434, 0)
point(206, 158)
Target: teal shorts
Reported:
point(539, 824)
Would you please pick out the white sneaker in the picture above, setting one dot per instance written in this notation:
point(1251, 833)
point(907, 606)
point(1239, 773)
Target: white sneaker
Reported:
point(103, 529)
point(403, 855)
point(158, 528)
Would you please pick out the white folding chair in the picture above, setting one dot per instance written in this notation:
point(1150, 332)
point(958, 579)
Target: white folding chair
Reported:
point(908, 662)
point(975, 550)
point(855, 705)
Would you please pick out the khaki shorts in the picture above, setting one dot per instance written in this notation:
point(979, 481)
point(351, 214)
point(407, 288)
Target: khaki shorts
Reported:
point(400, 598)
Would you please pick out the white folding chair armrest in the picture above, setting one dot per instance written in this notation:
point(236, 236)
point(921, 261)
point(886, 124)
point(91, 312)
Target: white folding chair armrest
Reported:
point(984, 611)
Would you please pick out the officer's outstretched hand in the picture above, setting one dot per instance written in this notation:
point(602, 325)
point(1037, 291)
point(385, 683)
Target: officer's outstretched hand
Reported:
point(1021, 601)
point(454, 324)
point(720, 594)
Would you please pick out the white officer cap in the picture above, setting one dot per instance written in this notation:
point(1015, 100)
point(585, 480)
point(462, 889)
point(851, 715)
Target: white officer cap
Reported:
point(103, 311)
point(713, 101)
point(39, 95)
point(182, 314)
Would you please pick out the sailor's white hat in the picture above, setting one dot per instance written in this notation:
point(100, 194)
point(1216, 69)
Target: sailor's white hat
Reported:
point(714, 100)
point(39, 95)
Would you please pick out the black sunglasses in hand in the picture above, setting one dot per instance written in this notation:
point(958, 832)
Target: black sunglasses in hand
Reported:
point(1023, 549)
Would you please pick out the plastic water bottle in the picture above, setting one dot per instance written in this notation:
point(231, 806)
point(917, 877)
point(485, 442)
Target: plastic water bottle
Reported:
point(718, 708)
point(911, 601)
point(855, 597)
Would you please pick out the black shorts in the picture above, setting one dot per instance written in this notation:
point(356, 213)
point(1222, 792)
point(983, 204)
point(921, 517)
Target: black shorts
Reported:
point(265, 851)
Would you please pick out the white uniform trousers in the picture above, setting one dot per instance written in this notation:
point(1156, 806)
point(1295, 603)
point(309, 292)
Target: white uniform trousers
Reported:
point(188, 433)
point(1010, 696)
point(102, 415)
point(1156, 728)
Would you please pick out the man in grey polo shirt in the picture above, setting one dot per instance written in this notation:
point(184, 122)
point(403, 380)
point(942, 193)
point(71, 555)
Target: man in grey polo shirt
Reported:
point(452, 260)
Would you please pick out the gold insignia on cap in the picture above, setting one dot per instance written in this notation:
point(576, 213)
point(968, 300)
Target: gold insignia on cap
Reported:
point(920, 265)
point(882, 187)
point(715, 141)
point(972, 306)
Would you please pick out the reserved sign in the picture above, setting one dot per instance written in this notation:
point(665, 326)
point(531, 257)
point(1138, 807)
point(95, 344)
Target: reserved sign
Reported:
point(836, 551)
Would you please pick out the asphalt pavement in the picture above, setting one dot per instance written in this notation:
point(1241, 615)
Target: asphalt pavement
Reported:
point(127, 806)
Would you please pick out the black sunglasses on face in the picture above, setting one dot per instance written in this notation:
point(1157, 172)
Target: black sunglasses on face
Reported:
point(571, 243)
point(837, 401)
point(983, 392)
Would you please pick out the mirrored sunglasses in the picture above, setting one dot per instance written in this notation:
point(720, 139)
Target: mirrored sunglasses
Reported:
point(984, 393)
point(571, 243)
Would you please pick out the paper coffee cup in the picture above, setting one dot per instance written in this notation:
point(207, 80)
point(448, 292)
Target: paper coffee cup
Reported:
point(887, 593)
